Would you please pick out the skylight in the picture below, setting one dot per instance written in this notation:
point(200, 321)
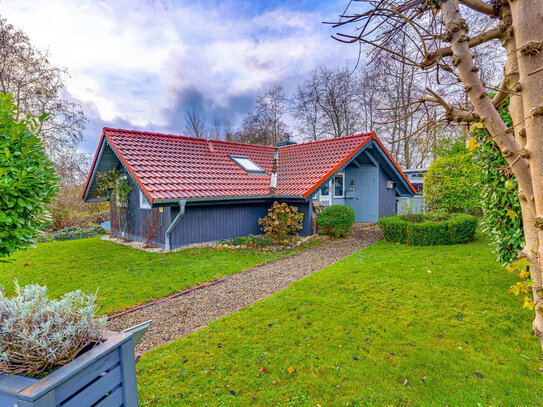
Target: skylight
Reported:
point(246, 163)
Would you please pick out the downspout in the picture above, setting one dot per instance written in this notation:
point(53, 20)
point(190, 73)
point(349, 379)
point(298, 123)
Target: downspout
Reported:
point(167, 239)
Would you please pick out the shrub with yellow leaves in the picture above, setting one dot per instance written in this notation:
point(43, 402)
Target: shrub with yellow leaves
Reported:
point(283, 223)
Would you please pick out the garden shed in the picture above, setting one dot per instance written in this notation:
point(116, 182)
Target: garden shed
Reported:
point(206, 190)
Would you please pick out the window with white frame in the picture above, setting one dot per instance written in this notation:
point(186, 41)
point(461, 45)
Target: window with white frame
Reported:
point(339, 185)
point(144, 202)
point(246, 163)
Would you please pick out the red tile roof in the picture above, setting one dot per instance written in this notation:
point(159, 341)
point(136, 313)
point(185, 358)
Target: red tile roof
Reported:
point(176, 167)
point(302, 168)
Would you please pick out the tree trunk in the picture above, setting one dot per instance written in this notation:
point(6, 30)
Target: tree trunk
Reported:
point(516, 110)
point(528, 34)
point(525, 158)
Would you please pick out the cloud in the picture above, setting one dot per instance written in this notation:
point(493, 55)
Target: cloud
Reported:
point(142, 63)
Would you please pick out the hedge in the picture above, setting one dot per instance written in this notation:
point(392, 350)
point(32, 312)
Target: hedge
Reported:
point(451, 185)
point(428, 229)
point(72, 233)
point(336, 220)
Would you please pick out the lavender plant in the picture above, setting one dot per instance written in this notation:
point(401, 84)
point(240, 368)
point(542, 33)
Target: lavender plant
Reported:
point(38, 335)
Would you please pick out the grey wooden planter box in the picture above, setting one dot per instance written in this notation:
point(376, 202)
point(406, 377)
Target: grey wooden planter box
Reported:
point(105, 376)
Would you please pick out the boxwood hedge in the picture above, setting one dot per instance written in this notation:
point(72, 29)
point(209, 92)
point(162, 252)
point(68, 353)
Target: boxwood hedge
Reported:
point(428, 229)
point(336, 220)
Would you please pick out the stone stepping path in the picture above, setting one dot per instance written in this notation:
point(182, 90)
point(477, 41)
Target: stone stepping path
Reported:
point(177, 316)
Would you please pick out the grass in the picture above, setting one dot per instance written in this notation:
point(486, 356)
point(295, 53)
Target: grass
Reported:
point(390, 325)
point(123, 276)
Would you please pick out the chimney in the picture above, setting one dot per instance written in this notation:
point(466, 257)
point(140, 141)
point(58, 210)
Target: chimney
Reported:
point(286, 141)
point(273, 179)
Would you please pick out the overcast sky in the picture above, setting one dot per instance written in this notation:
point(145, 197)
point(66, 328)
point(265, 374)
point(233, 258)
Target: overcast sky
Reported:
point(140, 64)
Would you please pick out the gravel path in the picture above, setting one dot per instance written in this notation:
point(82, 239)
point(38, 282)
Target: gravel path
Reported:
point(182, 315)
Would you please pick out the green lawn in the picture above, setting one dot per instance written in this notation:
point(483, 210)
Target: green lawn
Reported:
point(123, 276)
point(389, 325)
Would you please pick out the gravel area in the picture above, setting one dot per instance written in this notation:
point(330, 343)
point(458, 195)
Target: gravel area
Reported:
point(182, 315)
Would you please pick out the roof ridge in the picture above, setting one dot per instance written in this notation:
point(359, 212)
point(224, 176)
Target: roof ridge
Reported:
point(149, 133)
point(370, 133)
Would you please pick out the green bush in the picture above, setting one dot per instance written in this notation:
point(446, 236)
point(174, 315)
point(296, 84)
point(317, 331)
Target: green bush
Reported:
point(336, 220)
point(27, 179)
point(428, 229)
point(451, 185)
point(72, 233)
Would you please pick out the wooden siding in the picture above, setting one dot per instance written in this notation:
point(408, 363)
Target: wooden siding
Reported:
point(387, 197)
point(102, 376)
point(106, 161)
point(366, 197)
point(138, 216)
point(205, 223)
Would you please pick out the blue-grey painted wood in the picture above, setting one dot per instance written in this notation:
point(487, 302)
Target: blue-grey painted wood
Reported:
point(137, 217)
point(96, 391)
point(10, 383)
point(205, 223)
point(128, 368)
point(402, 188)
point(366, 192)
point(387, 196)
point(47, 400)
point(370, 198)
point(82, 382)
point(138, 331)
point(84, 377)
point(115, 399)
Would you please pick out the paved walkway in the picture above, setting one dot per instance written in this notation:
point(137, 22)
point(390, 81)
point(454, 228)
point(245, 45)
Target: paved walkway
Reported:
point(182, 315)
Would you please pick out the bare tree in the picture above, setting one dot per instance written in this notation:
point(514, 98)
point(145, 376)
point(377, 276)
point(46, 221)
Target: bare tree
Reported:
point(221, 130)
point(254, 130)
point(37, 88)
point(327, 104)
point(306, 111)
point(265, 124)
point(517, 24)
point(195, 124)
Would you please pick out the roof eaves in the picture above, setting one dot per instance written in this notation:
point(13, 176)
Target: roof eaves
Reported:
point(90, 177)
point(228, 198)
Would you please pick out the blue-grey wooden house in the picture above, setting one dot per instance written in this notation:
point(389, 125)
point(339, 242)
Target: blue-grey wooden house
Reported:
point(206, 190)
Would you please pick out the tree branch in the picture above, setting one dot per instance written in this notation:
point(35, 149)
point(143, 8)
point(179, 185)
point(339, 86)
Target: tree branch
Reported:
point(452, 113)
point(479, 6)
point(500, 133)
point(500, 95)
point(434, 57)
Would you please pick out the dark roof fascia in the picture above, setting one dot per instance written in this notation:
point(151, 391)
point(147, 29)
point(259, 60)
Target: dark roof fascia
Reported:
point(92, 174)
point(229, 199)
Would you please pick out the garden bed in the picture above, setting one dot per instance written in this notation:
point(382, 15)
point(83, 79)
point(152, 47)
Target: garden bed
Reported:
point(428, 229)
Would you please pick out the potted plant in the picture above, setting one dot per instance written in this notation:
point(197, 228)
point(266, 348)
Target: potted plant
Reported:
point(56, 352)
